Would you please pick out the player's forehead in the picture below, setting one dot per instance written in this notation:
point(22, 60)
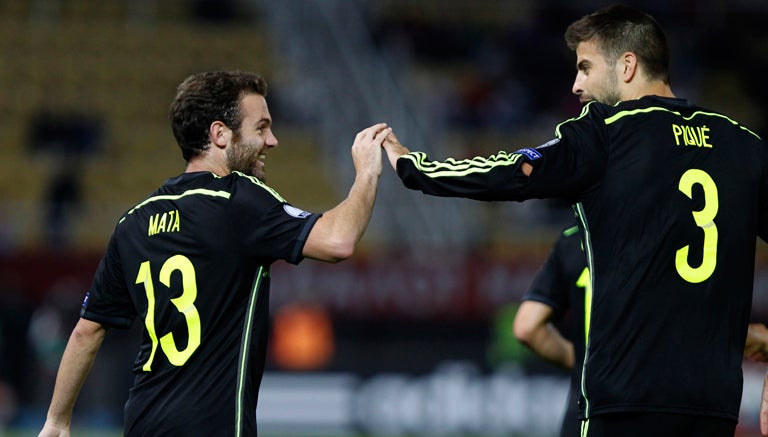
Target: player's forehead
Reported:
point(253, 107)
point(588, 51)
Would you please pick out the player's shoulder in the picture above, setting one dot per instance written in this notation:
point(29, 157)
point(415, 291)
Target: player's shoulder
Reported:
point(241, 181)
point(680, 107)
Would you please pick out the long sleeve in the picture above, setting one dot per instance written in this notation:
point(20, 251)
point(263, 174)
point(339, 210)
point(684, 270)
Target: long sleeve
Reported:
point(497, 177)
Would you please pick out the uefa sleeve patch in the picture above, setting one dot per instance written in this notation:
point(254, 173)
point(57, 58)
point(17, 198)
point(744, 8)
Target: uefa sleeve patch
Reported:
point(295, 212)
point(531, 154)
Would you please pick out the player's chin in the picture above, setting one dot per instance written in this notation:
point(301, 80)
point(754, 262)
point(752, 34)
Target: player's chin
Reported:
point(255, 169)
point(259, 173)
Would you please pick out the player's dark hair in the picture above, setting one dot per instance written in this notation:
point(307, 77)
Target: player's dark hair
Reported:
point(207, 97)
point(618, 29)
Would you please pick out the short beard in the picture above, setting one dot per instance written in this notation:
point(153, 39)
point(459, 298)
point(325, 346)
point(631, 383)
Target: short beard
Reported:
point(611, 95)
point(239, 160)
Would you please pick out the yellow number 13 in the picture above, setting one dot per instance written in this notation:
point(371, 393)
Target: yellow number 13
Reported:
point(705, 220)
point(184, 303)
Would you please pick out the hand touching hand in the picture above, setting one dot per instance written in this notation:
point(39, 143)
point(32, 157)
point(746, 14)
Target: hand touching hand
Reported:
point(366, 150)
point(394, 149)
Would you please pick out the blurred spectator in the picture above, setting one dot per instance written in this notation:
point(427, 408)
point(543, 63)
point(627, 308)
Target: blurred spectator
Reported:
point(49, 329)
point(6, 235)
point(65, 133)
point(15, 368)
point(63, 199)
point(8, 405)
point(66, 138)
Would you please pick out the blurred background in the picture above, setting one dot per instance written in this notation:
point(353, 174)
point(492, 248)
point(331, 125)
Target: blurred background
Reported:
point(413, 335)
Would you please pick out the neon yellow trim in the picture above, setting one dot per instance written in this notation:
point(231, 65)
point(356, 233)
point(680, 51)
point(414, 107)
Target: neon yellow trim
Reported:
point(258, 182)
point(587, 301)
point(570, 231)
point(202, 191)
point(457, 168)
point(584, 111)
point(584, 282)
point(205, 192)
point(622, 114)
point(241, 368)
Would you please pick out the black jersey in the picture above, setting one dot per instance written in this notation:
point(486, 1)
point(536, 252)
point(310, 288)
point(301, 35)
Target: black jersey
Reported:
point(563, 284)
point(192, 263)
point(670, 198)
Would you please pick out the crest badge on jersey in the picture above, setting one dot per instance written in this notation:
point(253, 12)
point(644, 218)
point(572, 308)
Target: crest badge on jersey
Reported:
point(295, 212)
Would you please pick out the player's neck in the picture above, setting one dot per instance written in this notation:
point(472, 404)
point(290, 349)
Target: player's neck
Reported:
point(652, 88)
point(199, 164)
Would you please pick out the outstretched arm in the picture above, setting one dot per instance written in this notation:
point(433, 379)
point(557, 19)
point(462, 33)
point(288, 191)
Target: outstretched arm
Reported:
point(533, 328)
point(502, 176)
point(75, 365)
point(335, 235)
point(395, 150)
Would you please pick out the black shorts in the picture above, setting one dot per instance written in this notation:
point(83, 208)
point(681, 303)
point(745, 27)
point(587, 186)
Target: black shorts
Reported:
point(657, 425)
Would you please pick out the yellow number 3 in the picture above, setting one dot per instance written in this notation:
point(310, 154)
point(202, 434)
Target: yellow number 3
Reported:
point(705, 220)
point(184, 303)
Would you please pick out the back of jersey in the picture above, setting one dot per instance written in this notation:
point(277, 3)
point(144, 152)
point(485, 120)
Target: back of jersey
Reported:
point(192, 264)
point(671, 231)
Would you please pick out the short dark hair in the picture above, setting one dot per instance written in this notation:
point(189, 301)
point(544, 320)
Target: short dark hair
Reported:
point(206, 97)
point(618, 29)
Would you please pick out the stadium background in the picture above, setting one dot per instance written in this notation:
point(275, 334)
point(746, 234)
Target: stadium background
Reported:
point(413, 335)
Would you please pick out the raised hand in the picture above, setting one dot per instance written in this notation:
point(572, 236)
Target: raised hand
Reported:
point(366, 150)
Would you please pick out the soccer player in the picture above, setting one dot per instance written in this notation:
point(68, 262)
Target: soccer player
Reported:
point(670, 198)
point(562, 286)
point(192, 263)
point(558, 288)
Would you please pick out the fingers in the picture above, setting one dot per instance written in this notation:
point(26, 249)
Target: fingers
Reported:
point(379, 135)
point(373, 136)
point(382, 135)
point(371, 131)
point(393, 138)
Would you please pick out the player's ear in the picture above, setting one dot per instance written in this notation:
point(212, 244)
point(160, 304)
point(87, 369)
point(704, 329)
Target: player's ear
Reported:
point(219, 134)
point(628, 65)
